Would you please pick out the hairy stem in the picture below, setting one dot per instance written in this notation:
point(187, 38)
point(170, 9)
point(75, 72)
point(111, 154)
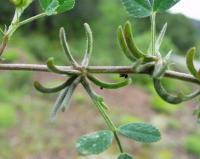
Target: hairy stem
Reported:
point(100, 70)
point(3, 44)
point(15, 24)
point(153, 33)
point(32, 19)
point(111, 126)
point(102, 111)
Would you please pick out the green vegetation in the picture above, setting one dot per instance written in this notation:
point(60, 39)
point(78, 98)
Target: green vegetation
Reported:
point(8, 116)
point(26, 113)
point(192, 144)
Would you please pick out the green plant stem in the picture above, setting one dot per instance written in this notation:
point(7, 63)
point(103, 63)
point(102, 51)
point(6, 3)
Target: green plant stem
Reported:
point(3, 44)
point(100, 70)
point(103, 113)
point(111, 126)
point(15, 24)
point(153, 33)
point(11, 29)
point(32, 19)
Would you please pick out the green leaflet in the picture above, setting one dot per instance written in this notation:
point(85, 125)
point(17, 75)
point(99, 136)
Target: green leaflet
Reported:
point(137, 8)
point(172, 99)
point(125, 156)
point(190, 63)
point(163, 5)
point(145, 8)
point(108, 85)
point(140, 132)
point(65, 5)
point(56, 6)
point(95, 143)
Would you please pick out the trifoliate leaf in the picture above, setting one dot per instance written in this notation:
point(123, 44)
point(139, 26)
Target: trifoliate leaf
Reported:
point(144, 8)
point(56, 6)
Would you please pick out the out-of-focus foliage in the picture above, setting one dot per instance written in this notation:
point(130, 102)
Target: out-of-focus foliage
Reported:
point(192, 144)
point(180, 28)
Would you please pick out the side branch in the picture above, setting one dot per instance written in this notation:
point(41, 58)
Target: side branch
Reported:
point(99, 70)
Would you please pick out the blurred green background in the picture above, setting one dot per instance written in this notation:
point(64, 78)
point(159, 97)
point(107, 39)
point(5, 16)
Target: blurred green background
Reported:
point(25, 129)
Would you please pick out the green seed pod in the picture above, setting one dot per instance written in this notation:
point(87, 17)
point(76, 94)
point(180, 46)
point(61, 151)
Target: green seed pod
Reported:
point(66, 48)
point(123, 44)
point(89, 45)
point(52, 67)
point(67, 100)
point(172, 99)
point(108, 85)
point(132, 46)
point(164, 94)
point(43, 89)
point(190, 63)
point(57, 105)
point(62, 96)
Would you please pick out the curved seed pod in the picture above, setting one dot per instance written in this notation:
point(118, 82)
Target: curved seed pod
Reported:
point(131, 44)
point(164, 94)
point(61, 97)
point(52, 67)
point(190, 63)
point(67, 99)
point(43, 89)
point(172, 98)
point(191, 96)
point(89, 45)
point(108, 85)
point(123, 45)
point(66, 48)
point(57, 105)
